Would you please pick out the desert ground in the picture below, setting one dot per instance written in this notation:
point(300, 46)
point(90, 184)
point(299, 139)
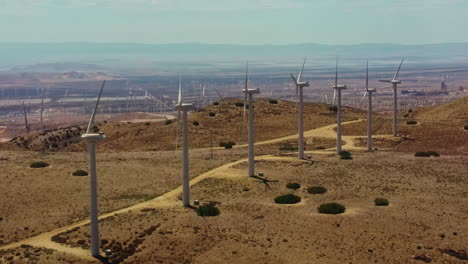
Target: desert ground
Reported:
point(44, 212)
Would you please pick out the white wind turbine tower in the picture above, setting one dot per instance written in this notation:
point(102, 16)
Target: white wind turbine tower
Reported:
point(249, 93)
point(395, 83)
point(299, 85)
point(338, 89)
point(92, 139)
point(369, 109)
point(184, 108)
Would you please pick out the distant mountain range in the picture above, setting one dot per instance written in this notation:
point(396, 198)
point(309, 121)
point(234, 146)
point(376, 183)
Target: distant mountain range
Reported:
point(46, 51)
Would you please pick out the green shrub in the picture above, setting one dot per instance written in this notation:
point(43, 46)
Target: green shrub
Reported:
point(466, 127)
point(168, 121)
point(239, 104)
point(410, 110)
point(411, 122)
point(227, 145)
point(381, 202)
point(317, 190)
point(287, 148)
point(195, 123)
point(320, 147)
point(272, 101)
point(211, 114)
point(333, 108)
point(422, 154)
point(331, 208)
point(39, 164)
point(346, 155)
point(434, 154)
point(215, 103)
point(406, 115)
point(208, 210)
point(293, 185)
point(80, 173)
point(287, 199)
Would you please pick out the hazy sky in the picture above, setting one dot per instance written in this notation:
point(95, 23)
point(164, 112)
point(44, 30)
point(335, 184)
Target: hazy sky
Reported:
point(235, 21)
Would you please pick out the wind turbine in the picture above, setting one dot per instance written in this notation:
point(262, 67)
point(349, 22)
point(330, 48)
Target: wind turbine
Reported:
point(395, 83)
point(338, 89)
point(42, 109)
point(184, 107)
point(26, 124)
point(299, 85)
point(249, 93)
point(369, 108)
point(92, 139)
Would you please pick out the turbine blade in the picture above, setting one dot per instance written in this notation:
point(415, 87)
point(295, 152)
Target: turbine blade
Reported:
point(177, 128)
point(334, 96)
point(336, 75)
point(365, 94)
point(294, 79)
point(398, 71)
point(91, 120)
point(387, 81)
point(302, 69)
point(179, 101)
point(367, 75)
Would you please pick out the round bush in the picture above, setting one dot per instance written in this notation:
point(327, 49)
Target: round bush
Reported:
point(287, 148)
point(211, 114)
point(80, 173)
point(317, 190)
point(331, 208)
point(208, 210)
point(215, 103)
point(227, 145)
point(333, 108)
point(320, 147)
point(39, 164)
point(239, 104)
point(287, 199)
point(422, 154)
point(272, 101)
point(411, 122)
point(293, 185)
point(433, 153)
point(381, 202)
point(346, 155)
point(195, 123)
point(168, 122)
point(466, 127)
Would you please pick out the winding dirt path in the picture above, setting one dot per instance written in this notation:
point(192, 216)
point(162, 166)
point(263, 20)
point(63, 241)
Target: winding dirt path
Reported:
point(170, 199)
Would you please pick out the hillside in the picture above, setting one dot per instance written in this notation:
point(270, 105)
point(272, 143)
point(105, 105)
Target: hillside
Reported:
point(454, 110)
point(271, 121)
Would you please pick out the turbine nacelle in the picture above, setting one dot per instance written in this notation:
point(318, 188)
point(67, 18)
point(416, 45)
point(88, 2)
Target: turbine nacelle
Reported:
point(93, 137)
point(251, 91)
point(339, 87)
point(371, 90)
point(303, 84)
point(185, 106)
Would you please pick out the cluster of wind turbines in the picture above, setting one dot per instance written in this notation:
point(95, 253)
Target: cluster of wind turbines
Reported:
point(337, 93)
point(184, 107)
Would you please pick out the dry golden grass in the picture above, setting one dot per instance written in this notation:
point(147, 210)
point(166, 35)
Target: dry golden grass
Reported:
point(427, 213)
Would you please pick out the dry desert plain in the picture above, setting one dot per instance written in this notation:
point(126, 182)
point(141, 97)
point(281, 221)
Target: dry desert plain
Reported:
point(44, 211)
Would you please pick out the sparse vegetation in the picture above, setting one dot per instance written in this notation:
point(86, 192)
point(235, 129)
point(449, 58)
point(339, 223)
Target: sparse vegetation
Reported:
point(272, 101)
point(331, 208)
point(80, 173)
point(293, 185)
point(287, 147)
point(317, 190)
point(346, 155)
point(320, 147)
point(381, 202)
point(195, 123)
point(239, 104)
point(215, 103)
point(39, 164)
point(333, 108)
point(426, 154)
point(168, 121)
point(211, 114)
point(208, 210)
point(411, 122)
point(227, 145)
point(287, 199)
